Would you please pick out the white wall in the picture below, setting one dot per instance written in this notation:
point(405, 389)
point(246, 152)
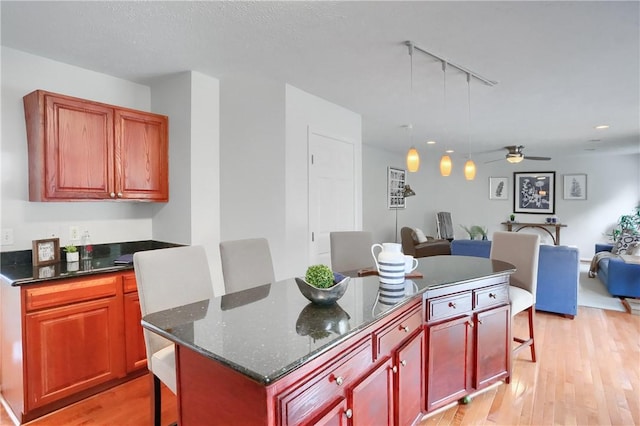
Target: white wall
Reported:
point(252, 171)
point(613, 189)
point(192, 216)
point(304, 111)
point(23, 73)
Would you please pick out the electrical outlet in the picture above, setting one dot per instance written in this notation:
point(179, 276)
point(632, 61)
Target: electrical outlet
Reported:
point(7, 237)
point(74, 233)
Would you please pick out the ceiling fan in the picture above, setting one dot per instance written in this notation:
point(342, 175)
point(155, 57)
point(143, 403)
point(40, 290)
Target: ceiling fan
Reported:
point(515, 155)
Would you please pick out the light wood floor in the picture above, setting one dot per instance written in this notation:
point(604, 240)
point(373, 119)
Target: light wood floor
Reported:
point(588, 373)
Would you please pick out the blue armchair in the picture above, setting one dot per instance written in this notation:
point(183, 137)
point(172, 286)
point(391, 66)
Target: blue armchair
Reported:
point(558, 273)
point(620, 278)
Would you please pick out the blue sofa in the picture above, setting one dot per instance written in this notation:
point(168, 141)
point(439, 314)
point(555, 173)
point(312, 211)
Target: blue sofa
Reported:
point(620, 278)
point(558, 274)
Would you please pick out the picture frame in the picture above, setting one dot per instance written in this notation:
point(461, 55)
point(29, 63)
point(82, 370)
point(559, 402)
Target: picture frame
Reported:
point(534, 192)
point(396, 180)
point(498, 188)
point(45, 252)
point(575, 186)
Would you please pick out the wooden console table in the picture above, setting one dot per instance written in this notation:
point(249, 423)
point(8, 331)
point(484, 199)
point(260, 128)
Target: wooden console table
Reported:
point(544, 226)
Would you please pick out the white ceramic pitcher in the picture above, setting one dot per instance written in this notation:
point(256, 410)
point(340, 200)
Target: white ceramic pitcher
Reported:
point(389, 262)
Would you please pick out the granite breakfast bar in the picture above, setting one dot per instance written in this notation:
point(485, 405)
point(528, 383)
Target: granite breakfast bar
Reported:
point(268, 356)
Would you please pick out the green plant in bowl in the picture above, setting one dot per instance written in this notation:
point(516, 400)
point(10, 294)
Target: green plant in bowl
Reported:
point(319, 276)
point(70, 248)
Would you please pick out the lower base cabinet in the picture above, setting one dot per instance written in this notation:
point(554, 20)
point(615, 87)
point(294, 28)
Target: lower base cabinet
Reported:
point(468, 341)
point(409, 380)
point(79, 336)
point(72, 348)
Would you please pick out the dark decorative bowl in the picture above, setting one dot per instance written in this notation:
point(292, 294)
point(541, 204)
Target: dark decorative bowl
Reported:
point(323, 296)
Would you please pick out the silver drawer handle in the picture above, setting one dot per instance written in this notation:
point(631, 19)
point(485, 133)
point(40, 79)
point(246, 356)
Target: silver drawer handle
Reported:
point(403, 362)
point(348, 413)
point(394, 369)
point(492, 295)
point(405, 328)
point(112, 195)
point(452, 305)
point(339, 380)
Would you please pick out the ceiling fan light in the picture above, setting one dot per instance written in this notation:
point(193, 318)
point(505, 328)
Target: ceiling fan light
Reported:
point(445, 165)
point(469, 170)
point(413, 160)
point(514, 159)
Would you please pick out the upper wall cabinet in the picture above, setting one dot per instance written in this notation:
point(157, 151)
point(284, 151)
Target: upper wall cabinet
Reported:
point(85, 150)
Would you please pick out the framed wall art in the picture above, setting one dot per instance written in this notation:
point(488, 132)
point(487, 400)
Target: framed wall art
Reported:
point(396, 179)
point(534, 192)
point(45, 252)
point(498, 188)
point(575, 187)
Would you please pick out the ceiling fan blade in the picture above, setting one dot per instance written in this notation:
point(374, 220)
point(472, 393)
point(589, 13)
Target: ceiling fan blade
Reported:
point(493, 161)
point(526, 157)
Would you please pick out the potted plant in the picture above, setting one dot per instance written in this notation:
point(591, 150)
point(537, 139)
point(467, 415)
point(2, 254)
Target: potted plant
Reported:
point(628, 224)
point(321, 285)
point(72, 253)
point(512, 218)
point(481, 230)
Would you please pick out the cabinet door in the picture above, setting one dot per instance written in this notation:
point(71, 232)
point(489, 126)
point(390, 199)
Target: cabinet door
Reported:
point(336, 415)
point(449, 361)
point(371, 400)
point(136, 353)
point(72, 348)
point(409, 362)
point(78, 150)
point(142, 156)
point(493, 349)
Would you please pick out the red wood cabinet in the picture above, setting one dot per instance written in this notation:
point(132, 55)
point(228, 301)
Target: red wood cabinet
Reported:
point(78, 336)
point(72, 348)
point(468, 343)
point(84, 150)
point(370, 401)
point(448, 361)
point(409, 380)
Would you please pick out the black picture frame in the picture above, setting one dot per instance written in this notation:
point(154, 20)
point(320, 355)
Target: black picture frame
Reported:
point(396, 179)
point(534, 192)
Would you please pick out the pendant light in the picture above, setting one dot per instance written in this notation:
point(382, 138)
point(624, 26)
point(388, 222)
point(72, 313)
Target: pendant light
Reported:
point(445, 165)
point(469, 166)
point(445, 161)
point(413, 157)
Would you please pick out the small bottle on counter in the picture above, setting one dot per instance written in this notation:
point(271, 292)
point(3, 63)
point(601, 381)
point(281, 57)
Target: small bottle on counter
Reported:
point(87, 247)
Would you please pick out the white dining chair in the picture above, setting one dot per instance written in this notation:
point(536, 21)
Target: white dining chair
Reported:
point(167, 278)
point(521, 250)
point(246, 264)
point(351, 250)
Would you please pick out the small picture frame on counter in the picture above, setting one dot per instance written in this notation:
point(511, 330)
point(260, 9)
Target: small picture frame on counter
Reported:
point(45, 252)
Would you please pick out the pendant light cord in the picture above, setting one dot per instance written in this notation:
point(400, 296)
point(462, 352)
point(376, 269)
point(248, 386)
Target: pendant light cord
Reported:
point(469, 107)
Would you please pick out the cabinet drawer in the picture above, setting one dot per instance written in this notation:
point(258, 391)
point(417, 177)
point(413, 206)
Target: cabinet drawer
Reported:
point(70, 292)
point(449, 306)
point(129, 283)
point(491, 296)
point(310, 397)
point(390, 337)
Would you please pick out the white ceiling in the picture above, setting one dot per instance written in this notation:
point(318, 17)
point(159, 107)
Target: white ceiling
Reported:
point(562, 67)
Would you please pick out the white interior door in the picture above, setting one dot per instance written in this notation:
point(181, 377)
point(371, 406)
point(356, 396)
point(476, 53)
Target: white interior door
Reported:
point(332, 192)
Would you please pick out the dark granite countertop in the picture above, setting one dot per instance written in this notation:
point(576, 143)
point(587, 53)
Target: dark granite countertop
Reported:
point(268, 331)
point(16, 268)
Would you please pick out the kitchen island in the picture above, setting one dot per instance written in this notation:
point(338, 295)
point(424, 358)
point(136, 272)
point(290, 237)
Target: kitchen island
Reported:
point(269, 356)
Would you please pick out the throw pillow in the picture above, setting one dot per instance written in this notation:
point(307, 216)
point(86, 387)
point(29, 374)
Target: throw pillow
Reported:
point(624, 241)
point(634, 249)
point(420, 235)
